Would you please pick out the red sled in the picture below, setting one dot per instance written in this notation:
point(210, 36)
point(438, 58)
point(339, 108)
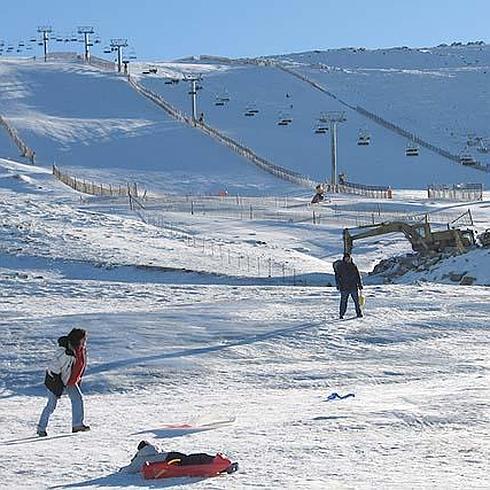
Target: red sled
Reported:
point(171, 469)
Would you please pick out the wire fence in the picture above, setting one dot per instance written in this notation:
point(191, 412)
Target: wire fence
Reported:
point(242, 150)
point(92, 188)
point(25, 150)
point(456, 192)
point(285, 210)
point(251, 262)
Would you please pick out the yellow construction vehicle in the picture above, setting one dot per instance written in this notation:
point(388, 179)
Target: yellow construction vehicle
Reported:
point(420, 235)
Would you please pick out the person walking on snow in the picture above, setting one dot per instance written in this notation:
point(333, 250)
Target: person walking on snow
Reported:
point(348, 281)
point(65, 372)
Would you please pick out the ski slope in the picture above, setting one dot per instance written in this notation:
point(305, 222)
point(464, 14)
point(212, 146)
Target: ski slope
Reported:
point(209, 308)
point(82, 118)
point(414, 99)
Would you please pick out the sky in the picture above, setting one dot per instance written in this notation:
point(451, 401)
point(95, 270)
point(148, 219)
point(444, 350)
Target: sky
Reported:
point(170, 29)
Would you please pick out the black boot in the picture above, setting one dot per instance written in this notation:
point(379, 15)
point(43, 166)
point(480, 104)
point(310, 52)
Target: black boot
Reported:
point(80, 428)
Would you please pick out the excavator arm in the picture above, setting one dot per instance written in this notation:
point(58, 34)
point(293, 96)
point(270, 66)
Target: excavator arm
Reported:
point(417, 234)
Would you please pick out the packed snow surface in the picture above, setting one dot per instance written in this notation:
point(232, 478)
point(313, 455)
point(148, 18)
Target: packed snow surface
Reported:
point(203, 307)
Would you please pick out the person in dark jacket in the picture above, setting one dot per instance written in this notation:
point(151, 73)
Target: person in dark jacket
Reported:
point(65, 374)
point(348, 281)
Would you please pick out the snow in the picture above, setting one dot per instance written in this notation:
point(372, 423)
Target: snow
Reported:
point(213, 307)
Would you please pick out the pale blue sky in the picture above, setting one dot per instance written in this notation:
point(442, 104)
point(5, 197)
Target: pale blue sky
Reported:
point(166, 29)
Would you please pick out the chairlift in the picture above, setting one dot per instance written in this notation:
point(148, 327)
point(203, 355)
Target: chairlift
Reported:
point(59, 39)
point(132, 57)
point(107, 50)
point(73, 39)
point(251, 111)
point(33, 40)
point(412, 150)
point(21, 44)
point(145, 72)
point(483, 147)
point(466, 159)
point(364, 138)
point(221, 100)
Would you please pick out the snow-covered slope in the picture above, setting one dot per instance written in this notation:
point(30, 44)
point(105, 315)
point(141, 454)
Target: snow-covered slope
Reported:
point(201, 307)
point(82, 118)
point(435, 95)
point(169, 346)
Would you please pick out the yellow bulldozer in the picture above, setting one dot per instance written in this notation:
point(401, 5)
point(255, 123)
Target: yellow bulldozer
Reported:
point(422, 238)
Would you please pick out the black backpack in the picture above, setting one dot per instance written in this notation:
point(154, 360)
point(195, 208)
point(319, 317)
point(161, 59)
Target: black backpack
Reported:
point(53, 383)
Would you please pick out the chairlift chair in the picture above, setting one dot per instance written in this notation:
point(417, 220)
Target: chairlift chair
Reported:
point(251, 111)
point(466, 159)
point(412, 150)
point(364, 138)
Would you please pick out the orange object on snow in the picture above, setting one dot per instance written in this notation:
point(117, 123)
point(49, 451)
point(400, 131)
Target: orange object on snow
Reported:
point(160, 469)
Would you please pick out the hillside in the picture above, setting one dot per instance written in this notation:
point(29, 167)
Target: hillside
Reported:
point(202, 304)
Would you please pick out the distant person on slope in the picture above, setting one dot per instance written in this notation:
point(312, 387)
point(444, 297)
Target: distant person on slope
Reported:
point(348, 282)
point(65, 373)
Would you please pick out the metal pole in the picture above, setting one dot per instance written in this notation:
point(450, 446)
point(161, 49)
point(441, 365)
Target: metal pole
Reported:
point(87, 52)
point(45, 45)
point(86, 31)
point(194, 101)
point(333, 148)
point(118, 44)
point(45, 30)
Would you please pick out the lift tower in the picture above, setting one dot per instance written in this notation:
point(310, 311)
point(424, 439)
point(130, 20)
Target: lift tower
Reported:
point(45, 31)
point(118, 45)
point(86, 31)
